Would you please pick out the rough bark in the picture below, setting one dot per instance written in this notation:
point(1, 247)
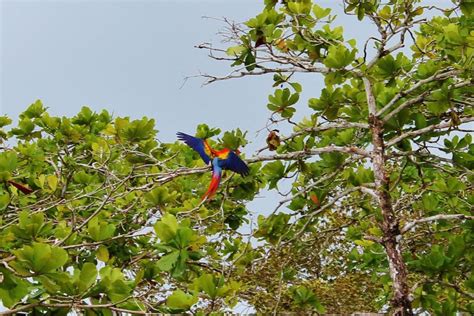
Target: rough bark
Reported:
point(400, 303)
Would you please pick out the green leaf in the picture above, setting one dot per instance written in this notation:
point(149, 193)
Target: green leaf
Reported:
point(467, 7)
point(386, 66)
point(102, 253)
point(420, 121)
point(167, 262)
point(273, 171)
point(136, 130)
point(4, 121)
point(159, 196)
point(303, 296)
point(179, 300)
point(430, 202)
point(87, 276)
point(35, 110)
point(100, 230)
point(235, 51)
point(206, 283)
point(298, 88)
point(360, 13)
point(319, 12)
point(339, 57)
point(203, 131)
point(452, 34)
point(166, 228)
point(8, 161)
point(52, 182)
point(364, 242)
point(4, 200)
point(12, 288)
point(249, 61)
point(41, 258)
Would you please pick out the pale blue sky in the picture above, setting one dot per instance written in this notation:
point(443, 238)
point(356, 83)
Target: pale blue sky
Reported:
point(131, 57)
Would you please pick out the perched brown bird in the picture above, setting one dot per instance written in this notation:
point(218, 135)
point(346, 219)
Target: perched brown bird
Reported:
point(20, 187)
point(273, 140)
point(261, 40)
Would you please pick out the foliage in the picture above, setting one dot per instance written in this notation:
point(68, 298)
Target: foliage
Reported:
point(379, 215)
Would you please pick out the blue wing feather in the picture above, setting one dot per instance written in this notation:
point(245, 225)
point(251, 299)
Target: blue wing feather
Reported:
point(195, 143)
point(234, 163)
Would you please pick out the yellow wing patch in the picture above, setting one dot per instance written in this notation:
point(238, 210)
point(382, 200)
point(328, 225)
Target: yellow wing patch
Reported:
point(208, 149)
point(223, 154)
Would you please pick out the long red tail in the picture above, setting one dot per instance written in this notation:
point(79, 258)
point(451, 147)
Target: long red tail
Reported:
point(216, 179)
point(20, 187)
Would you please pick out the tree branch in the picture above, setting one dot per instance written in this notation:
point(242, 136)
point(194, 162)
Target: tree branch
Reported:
point(412, 224)
point(424, 130)
point(311, 152)
point(390, 225)
point(438, 76)
point(262, 71)
point(321, 128)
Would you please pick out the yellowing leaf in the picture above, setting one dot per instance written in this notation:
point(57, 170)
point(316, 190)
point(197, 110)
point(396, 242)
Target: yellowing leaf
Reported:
point(102, 253)
point(52, 182)
point(364, 242)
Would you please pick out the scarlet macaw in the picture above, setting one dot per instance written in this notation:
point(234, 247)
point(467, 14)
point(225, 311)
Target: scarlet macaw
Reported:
point(219, 159)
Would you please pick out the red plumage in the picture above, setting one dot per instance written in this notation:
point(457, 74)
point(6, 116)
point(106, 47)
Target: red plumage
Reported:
point(211, 191)
point(21, 187)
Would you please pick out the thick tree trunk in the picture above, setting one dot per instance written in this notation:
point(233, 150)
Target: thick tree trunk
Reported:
point(390, 226)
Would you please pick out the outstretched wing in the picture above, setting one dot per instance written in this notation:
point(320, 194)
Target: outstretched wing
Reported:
point(198, 145)
point(234, 163)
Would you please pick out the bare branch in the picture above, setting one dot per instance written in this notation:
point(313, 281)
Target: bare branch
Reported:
point(311, 152)
point(420, 98)
point(434, 218)
point(321, 128)
point(263, 70)
point(438, 76)
point(425, 130)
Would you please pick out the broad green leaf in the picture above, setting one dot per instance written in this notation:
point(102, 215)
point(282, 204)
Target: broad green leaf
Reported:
point(87, 276)
point(52, 182)
point(102, 253)
point(166, 228)
point(235, 50)
point(41, 258)
point(167, 262)
point(319, 12)
point(339, 57)
point(12, 288)
point(8, 161)
point(100, 229)
point(206, 283)
point(179, 300)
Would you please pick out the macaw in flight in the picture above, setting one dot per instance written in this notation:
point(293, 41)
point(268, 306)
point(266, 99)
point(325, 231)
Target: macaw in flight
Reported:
point(219, 159)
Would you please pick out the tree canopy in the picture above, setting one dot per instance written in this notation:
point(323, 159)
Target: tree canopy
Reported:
point(379, 211)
